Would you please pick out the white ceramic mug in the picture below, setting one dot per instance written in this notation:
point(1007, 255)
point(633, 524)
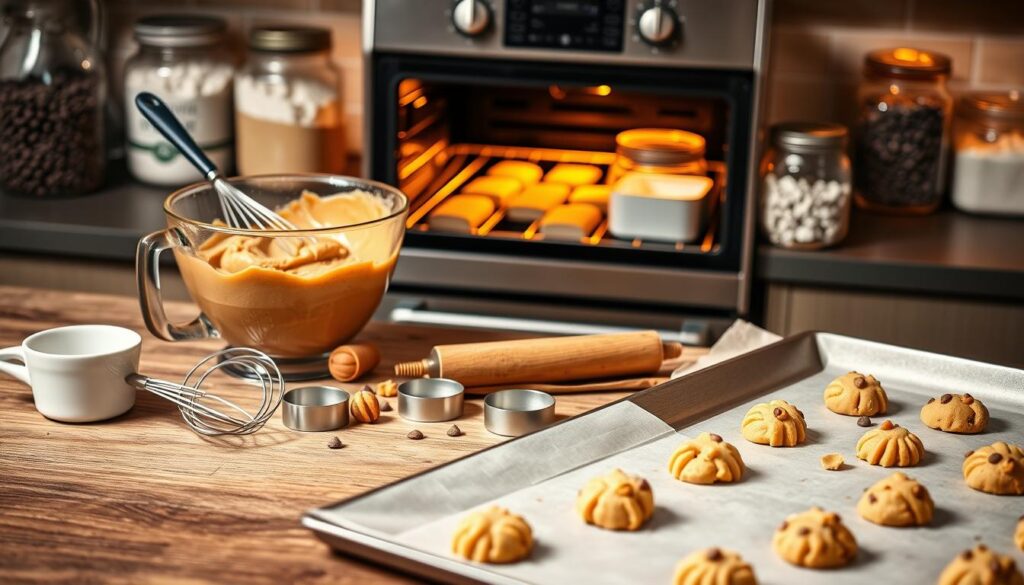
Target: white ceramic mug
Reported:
point(77, 373)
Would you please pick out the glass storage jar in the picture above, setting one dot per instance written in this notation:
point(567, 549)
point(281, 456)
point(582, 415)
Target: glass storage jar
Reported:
point(988, 138)
point(183, 60)
point(806, 184)
point(659, 151)
point(53, 92)
point(903, 134)
point(288, 116)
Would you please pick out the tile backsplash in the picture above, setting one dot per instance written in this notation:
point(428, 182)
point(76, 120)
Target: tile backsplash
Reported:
point(817, 48)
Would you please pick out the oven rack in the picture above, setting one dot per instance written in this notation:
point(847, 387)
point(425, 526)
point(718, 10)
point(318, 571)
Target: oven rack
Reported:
point(460, 163)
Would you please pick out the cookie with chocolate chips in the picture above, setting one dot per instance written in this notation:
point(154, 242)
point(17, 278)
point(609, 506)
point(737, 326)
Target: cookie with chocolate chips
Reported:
point(776, 423)
point(705, 460)
point(890, 445)
point(981, 565)
point(955, 413)
point(714, 565)
point(897, 500)
point(815, 539)
point(856, 394)
point(996, 469)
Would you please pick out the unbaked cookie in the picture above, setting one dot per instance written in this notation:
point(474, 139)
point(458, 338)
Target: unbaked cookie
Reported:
point(705, 460)
point(890, 445)
point(616, 501)
point(996, 469)
point(897, 501)
point(714, 566)
point(855, 394)
point(493, 535)
point(815, 539)
point(955, 413)
point(981, 566)
point(776, 423)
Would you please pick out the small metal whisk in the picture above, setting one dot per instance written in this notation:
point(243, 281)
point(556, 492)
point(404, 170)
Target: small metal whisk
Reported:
point(203, 411)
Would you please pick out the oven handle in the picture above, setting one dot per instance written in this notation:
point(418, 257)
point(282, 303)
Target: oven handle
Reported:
point(691, 334)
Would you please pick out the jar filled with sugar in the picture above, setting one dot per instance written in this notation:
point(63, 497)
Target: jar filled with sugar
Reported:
point(988, 137)
point(184, 61)
point(806, 184)
point(288, 114)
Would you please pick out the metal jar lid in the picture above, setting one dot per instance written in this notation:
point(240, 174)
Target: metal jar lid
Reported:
point(997, 107)
point(179, 30)
point(805, 136)
point(907, 63)
point(289, 39)
point(659, 146)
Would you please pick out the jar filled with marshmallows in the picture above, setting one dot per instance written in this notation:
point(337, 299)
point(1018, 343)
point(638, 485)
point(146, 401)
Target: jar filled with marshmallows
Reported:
point(806, 185)
point(184, 61)
point(288, 116)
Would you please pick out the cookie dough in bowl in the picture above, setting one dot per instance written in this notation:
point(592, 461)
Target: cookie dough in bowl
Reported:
point(996, 469)
point(493, 535)
point(981, 566)
point(955, 413)
point(705, 460)
point(890, 445)
point(616, 501)
point(897, 500)
point(855, 394)
point(714, 566)
point(815, 539)
point(776, 423)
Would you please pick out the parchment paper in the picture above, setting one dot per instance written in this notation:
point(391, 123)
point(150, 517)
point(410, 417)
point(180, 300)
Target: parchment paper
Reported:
point(778, 482)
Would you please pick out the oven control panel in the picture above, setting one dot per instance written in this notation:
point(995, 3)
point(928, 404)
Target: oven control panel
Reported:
point(588, 25)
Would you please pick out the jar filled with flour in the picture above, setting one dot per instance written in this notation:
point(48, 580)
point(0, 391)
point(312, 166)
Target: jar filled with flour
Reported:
point(183, 60)
point(806, 185)
point(287, 106)
point(988, 171)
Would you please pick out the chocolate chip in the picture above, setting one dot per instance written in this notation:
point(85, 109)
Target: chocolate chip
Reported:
point(919, 492)
point(995, 458)
point(966, 395)
point(930, 400)
point(800, 412)
point(415, 435)
point(454, 431)
point(837, 517)
point(872, 499)
point(644, 486)
point(334, 443)
point(967, 555)
point(968, 454)
point(967, 399)
point(804, 531)
point(864, 421)
point(970, 419)
point(860, 382)
point(385, 406)
point(982, 547)
point(714, 554)
point(780, 414)
point(715, 438)
point(946, 398)
point(367, 388)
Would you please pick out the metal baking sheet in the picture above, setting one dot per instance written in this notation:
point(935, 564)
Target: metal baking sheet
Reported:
point(538, 476)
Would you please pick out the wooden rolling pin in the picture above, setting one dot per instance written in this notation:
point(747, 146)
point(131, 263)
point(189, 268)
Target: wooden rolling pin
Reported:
point(546, 359)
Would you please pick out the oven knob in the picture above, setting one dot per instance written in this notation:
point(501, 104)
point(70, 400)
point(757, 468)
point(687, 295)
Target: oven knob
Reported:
point(657, 25)
point(471, 17)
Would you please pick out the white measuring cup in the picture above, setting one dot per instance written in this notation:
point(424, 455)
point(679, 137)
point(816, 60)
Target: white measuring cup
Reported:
point(77, 373)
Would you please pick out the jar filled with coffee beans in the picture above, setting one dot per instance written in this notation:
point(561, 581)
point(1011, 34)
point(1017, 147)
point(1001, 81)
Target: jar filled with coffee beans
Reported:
point(805, 193)
point(52, 99)
point(903, 131)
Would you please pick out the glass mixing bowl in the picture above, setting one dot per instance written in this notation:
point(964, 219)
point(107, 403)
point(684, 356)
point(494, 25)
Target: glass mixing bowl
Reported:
point(307, 291)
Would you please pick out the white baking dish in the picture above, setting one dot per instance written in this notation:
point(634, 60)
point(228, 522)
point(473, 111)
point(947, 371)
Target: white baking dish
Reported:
point(667, 208)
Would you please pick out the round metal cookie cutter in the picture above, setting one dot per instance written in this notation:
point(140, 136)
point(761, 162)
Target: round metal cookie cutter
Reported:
point(512, 413)
point(430, 399)
point(315, 408)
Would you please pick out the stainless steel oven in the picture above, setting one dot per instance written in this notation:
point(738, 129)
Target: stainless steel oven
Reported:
point(455, 86)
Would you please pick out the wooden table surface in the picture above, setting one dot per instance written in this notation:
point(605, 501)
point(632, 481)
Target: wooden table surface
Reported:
point(143, 499)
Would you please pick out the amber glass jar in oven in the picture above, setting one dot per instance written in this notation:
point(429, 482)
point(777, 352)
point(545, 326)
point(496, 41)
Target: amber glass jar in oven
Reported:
point(805, 186)
point(658, 150)
point(903, 131)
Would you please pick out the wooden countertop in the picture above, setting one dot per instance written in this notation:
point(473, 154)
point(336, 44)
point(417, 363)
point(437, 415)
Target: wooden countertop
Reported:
point(142, 499)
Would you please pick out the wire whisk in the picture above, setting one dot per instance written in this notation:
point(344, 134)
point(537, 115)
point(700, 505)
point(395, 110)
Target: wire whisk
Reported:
point(213, 415)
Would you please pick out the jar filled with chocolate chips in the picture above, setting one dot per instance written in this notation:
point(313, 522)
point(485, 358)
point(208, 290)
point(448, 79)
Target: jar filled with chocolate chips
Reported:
point(903, 131)
point(52, 98)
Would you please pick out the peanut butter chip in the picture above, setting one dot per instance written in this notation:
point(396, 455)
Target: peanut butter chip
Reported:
point(860, 382)
point(780, 414)
point(946, 398)
point(717, 439)
point(995, 458)
point(714, 554)
point(887, 426)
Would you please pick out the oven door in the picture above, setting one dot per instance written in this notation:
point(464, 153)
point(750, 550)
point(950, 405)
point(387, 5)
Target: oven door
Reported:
point(438, 122)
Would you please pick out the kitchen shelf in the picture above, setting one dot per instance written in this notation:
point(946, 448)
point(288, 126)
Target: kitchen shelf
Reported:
point(949, 253)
